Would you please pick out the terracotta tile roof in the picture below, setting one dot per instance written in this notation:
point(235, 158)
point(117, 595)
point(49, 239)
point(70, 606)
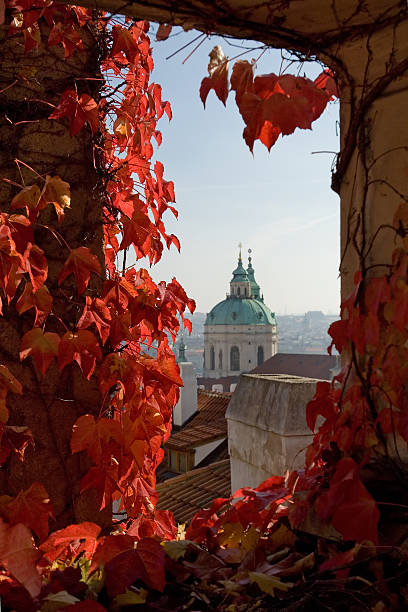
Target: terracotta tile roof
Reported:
point(208, 424)
point(312, 366)
point(184, 495)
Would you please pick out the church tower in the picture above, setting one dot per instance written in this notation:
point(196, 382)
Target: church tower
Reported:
point(240, 332)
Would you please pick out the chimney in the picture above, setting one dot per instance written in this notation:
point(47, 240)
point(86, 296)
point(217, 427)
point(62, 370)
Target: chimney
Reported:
point(187, 404)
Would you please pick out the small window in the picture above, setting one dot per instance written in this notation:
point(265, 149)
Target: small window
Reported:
point(212, 358)
point(234, 357)
point(245, 291)
point(220, 359)
point(239, 291)
point(260, 356)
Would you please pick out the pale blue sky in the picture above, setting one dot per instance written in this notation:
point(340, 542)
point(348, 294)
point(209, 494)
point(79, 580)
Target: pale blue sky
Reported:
point(279, 204)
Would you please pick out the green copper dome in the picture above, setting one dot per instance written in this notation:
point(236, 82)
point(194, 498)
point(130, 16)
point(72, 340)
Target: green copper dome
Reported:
point(240, 311)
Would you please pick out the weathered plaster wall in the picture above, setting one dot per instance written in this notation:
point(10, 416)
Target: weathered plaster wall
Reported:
point(201, 452)
point(267, 432)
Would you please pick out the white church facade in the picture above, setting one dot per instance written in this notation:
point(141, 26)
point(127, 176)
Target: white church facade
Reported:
point(240, 332)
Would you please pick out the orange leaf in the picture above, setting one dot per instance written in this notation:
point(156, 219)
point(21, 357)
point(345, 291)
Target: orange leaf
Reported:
point(8, 255)
point(326, 81)
point(36, 265)
point(218, 79)
point(125, 42)
point(19, 555)
point(354, 512)
point(92, 435)
point(58, 541)
point(96, 312)
point(78, 110)
point(81, 347)
point(29, 198)
point(43, 347)
point(57, 192)
point(278, 105)
point(41, 300)
point(81, 262)
point(242, 78)
point(7, 383)
point(32, 508)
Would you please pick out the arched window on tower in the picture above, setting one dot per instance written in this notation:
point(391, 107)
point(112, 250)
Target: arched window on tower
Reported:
point(212, 358)
point(260, 356)
point(220, 360)
point(239, 290)
point(234, 358)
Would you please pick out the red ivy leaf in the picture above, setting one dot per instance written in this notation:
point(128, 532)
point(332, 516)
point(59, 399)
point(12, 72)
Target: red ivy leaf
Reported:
point(278, 105)
point(96, 312)
point(321, 404)
point(146, 562)
point(81, 347)
point(242, 78)
point(58, 541)
point(7, 383)
point(32, 508)
point(40, 300)
point(125, 42)
point(326, 81)
point(36, 265)
point(78, 110)
point(81, 262)
point(353, 511)
point(19, 555)
point(43, 347)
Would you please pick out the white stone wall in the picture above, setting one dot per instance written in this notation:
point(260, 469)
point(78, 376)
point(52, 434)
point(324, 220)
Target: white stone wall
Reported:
point(201, 452)
point(267, 431)
point(246, 337)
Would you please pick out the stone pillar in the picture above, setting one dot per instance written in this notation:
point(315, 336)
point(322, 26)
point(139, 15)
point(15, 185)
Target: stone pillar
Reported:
point(267, 432)
point(373, 165)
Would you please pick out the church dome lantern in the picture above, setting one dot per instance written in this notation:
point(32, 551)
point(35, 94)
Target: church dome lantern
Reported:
point(240, 286)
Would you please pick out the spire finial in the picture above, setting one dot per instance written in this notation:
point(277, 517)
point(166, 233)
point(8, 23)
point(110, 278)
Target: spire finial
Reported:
point(240, 249)
point(249, 256)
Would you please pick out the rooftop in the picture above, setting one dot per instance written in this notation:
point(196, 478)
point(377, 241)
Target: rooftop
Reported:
point(310, 366)
point(184, 495)
point(209, 422)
